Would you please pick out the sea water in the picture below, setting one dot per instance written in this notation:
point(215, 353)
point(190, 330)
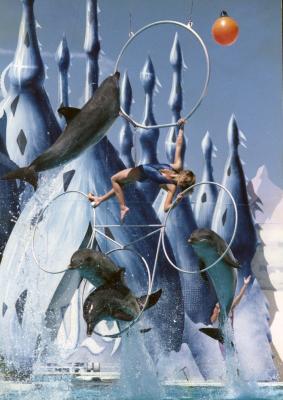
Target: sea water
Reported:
point(138, 381)
point(73, 389)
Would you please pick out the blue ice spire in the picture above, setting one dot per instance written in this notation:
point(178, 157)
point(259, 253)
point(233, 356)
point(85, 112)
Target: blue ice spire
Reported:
point(103, 161)
point(28, 67)
point(9, 201)
point(31, 123)
point(126, 134)
point(91, 48)
point(148, 137)
point(244, 248)
point(244, 245)
point(199, 297)
point(20, 303)
point(63, 62)
point(176, 98)
point(207, 194)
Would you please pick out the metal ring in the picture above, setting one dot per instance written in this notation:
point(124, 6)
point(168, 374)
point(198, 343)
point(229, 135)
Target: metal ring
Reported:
point(124, 330)
point(232, 238)
point(203, 93)
point(35, 227)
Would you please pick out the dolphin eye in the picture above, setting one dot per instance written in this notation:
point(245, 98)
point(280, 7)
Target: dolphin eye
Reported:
point(203, 240)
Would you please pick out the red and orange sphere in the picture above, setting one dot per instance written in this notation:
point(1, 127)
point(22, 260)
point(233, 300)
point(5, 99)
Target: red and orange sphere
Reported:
point(225, 30)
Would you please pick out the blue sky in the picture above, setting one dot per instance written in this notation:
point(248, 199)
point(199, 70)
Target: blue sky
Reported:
point(246, 78)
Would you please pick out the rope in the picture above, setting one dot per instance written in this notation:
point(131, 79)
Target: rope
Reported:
point(191, 13)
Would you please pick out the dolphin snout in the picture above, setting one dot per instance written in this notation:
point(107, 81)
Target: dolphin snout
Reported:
point(191, 240)
point(73, 265)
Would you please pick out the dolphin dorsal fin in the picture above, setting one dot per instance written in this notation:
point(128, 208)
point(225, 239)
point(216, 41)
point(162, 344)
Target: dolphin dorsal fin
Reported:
point(118, 275)
point(69, 113)
point(229, 256)
point(152, 300)
point(121, 273)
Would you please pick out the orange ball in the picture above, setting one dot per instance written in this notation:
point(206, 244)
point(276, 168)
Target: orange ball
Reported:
point(225, 30)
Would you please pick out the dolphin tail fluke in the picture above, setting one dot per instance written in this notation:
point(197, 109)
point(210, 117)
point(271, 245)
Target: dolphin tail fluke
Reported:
point(214, 333)
point(152, 300)
point(26, 174)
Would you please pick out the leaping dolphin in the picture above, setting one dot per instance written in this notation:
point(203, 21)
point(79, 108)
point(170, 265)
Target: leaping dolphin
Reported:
point(95, 266)
point(84, 128)
point(114, 302)
point(209, 247)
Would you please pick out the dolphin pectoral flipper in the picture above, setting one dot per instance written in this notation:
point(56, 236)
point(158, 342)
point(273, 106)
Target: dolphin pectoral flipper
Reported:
point(214, 333)
point(122, 315)
point(27, 174)
point(68, 112)
point(152, 300)
point(201, 265)
point(145, 330)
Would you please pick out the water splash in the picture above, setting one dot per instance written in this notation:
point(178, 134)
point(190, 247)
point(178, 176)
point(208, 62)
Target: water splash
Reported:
point(139, 380)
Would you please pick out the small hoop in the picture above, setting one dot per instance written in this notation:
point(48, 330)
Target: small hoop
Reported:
point(40, 215)
point(231, 240)
point(204, 91)
point(124, 330)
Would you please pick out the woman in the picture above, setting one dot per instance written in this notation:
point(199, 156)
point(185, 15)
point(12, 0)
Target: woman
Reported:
point(169, 176)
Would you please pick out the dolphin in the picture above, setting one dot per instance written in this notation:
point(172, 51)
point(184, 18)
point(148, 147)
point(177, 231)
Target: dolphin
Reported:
point(95, 266)
point(85, 127)
point(209, 246)
point(114, 301)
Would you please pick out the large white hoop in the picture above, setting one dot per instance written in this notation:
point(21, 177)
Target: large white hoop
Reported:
point(40, 216)
point(203, 93)
point(231, 240)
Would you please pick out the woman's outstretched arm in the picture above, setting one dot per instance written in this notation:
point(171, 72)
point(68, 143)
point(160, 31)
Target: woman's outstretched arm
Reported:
point(178, 162)
point(171, 190)
point(238, 298)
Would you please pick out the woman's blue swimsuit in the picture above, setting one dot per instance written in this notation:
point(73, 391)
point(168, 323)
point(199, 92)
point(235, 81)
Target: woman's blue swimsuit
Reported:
point(151, 172)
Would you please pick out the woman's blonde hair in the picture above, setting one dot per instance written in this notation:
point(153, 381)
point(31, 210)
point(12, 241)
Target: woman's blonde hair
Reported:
point(185, 179)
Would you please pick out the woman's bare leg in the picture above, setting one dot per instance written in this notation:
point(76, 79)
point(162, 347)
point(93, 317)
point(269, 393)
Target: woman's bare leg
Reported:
point(128, 175)
point(123, 177)
point(118, 189)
